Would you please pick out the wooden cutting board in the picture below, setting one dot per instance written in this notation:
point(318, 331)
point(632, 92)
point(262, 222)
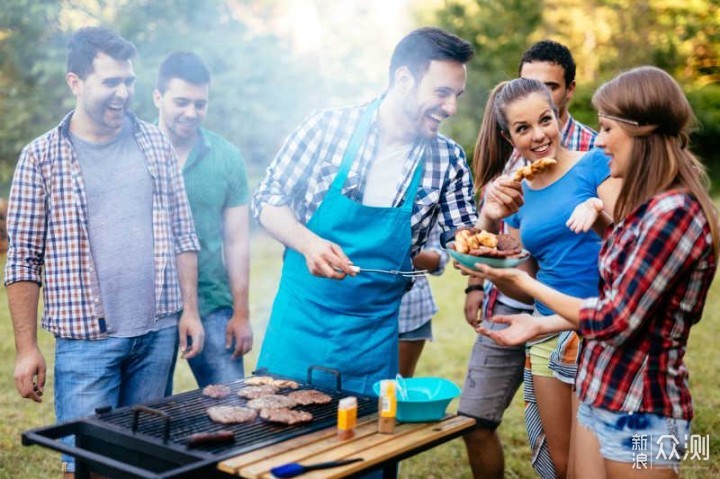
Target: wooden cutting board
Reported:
point(321, 446)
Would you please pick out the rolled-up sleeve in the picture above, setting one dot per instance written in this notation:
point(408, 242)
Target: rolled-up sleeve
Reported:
point(458, 205)
point(26, 222)
point(287, 176)
point(183, 228)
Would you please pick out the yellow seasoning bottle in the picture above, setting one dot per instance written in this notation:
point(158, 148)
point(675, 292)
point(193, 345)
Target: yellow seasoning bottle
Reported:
point(387, 407)
point(347, 418)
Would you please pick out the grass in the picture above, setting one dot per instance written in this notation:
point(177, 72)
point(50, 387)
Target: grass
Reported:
point(446, 356)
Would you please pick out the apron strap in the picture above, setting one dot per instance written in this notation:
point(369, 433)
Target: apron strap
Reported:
point(357, 138)
point(413, 188)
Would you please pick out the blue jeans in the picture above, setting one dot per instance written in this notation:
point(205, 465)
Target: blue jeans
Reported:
point(215, 365)
point(112, 372)
point(645, 439)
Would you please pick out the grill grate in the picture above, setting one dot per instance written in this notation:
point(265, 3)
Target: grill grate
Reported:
point(187, 412)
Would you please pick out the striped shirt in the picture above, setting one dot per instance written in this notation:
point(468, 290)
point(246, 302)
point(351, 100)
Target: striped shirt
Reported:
point(47, 225)
point(418, 305)
point(308, 162)
point(655, 271)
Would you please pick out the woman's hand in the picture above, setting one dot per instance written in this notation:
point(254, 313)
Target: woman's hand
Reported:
point(500, 276)
point(584, 215)
point(503, 197)
point(521, 328)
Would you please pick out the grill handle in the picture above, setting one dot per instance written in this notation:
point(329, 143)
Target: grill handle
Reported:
point(155, 412)
point(334, 372)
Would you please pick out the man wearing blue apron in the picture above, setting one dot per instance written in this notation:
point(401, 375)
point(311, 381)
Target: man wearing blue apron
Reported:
point(362, 187)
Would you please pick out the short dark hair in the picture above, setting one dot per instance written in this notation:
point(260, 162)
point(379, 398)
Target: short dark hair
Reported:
point(550, 51)
point(419, 47)
point(85, 44)
point(183, 65)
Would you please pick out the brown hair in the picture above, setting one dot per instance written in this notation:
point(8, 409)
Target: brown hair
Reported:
point(492, 150)
point(653, 109)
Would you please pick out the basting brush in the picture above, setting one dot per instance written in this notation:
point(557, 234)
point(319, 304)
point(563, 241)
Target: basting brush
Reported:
point(293, 469)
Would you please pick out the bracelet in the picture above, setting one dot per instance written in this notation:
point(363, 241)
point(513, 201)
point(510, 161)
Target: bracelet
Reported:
point(474, 287)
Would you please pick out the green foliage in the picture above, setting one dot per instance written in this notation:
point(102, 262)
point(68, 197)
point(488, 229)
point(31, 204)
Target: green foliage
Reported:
point(499, 31)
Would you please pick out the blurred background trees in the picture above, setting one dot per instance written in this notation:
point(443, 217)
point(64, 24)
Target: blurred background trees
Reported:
point(274, 61)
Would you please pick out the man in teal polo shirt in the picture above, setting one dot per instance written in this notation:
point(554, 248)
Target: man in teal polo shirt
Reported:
point(217, 189)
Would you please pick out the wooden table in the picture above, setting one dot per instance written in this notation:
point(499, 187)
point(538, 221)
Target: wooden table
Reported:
point(379, 451)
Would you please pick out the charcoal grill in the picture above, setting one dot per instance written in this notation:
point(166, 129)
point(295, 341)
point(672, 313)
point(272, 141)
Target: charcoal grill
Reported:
point(151, 440)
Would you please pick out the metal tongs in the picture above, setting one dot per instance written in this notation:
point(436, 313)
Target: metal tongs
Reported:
point(407, 274)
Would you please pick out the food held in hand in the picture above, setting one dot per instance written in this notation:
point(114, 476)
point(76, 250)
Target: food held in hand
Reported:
point(482, 243)
point(539, 166)
point(469, 239)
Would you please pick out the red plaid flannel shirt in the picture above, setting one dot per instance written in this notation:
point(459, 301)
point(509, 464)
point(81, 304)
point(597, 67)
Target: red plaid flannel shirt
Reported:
point(655, 271)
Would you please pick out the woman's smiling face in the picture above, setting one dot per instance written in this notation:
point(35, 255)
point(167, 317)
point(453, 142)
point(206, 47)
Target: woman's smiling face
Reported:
point(533, 127)
point(616, 143)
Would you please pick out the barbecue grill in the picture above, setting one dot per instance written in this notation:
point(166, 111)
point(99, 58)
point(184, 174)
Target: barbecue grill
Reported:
point(151, 440)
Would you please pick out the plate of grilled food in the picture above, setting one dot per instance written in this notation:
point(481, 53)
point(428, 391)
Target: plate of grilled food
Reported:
point(472, 246)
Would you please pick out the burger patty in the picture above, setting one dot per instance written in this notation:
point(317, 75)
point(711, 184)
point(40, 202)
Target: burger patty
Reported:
point(309, 396)
point(255, 392)
point(231, 414)
point(272, 401)
point(267, 380)
point(216, 391)
point(285, 415)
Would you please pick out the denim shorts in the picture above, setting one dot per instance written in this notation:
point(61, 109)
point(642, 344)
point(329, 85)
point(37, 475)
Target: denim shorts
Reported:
point(494, 374)
point(423, 333)
point(112, 372)
point(657, 441)
point(215, 365)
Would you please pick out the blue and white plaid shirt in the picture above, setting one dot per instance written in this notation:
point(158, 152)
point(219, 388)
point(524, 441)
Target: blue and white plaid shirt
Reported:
point(418, 305)
point(49, 242)
point(308, 162)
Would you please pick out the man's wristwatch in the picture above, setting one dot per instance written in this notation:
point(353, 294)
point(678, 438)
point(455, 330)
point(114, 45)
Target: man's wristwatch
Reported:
point(474, 287)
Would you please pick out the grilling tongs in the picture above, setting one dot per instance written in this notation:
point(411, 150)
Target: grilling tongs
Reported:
point(407, 274)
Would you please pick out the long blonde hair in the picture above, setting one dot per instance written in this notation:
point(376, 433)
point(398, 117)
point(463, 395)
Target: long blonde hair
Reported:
point(653, 109)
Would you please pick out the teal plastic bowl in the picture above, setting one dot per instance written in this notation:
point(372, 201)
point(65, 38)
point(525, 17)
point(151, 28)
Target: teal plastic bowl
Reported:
point(426, 399)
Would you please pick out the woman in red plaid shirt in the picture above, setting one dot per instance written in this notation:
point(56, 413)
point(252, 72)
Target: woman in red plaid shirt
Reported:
point(656, 266)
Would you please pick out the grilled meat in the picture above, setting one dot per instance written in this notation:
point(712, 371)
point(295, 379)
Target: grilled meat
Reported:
point(231, 414)
point(285, 416)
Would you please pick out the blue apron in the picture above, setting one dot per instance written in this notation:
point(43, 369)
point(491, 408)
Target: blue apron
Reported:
point(350, 325)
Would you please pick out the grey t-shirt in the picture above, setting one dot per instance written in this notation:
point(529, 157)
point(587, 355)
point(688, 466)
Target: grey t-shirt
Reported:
point(119, 192)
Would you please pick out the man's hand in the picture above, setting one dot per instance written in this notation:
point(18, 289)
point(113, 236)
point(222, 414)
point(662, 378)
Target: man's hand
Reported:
point(503, 197)
point(326, 259)
point(473, 308)
point(190, 326)
point(30, 371)
point(239, 329)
